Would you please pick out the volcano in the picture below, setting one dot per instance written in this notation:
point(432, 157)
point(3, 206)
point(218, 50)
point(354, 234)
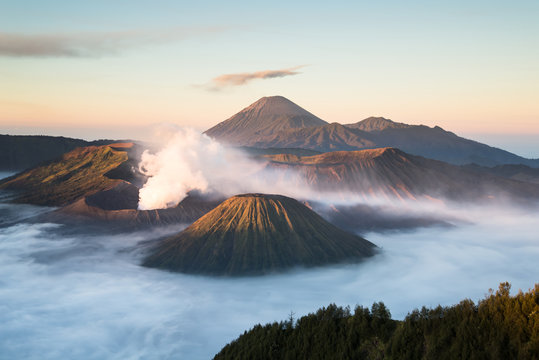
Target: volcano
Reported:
point(98, 184)
point(276, 122)
point(80, 172)
point(255, 234)
point(265, 117)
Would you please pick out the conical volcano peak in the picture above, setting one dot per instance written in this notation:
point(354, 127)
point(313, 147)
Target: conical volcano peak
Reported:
point(276, 105)
point(256, 234)
point(266, 116)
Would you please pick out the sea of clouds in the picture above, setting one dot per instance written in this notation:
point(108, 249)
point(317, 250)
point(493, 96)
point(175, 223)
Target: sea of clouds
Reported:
point(71, 295)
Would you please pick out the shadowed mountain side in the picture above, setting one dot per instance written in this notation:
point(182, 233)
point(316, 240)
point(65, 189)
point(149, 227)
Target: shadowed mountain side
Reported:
point(433, 143)
point(122, 196)
point(76, 174)
point(330, 137)
point(90, 210)
point(256, 234)
point(514, 172)
point(436, 143)
point(392, 173)
point(264, 117)
point(276, 151)
point(363, 218)
point(19, 152)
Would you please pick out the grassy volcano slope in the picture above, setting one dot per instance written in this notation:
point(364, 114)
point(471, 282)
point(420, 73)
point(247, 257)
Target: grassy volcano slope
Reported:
point(257, 234)
point(78, 173)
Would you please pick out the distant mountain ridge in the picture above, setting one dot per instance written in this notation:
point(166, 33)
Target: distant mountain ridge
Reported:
point(19, 152)
point(391, 173)
point(276, 122)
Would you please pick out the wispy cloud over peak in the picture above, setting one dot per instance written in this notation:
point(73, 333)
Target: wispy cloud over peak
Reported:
point(239, 79)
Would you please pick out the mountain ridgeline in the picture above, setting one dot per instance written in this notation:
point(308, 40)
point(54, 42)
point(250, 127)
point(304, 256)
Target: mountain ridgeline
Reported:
point(77, 173)
point(98, 184)
point(276, 122)
point(256, 234)
point(18, 152)
point(391, 173)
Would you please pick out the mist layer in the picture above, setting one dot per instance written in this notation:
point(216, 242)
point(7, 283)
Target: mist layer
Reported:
point(86, 297)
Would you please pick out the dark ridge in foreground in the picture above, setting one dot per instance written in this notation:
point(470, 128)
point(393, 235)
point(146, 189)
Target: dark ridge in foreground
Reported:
point(499, 327)
point(256, 234)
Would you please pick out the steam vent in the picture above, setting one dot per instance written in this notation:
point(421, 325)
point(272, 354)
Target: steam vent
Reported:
point(256, 234)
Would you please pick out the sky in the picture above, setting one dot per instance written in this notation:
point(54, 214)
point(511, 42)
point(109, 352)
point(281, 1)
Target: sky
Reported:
point(102, 69)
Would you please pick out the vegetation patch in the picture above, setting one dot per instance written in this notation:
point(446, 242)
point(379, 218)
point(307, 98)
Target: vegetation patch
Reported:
point(498, 327)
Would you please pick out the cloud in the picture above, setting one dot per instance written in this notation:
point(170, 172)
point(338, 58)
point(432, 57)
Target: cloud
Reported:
point(77, 296)
point(87, 44)
point(243, 78)
point(193, 161)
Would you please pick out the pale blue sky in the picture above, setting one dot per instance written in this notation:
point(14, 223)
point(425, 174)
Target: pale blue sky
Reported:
point(470, 67)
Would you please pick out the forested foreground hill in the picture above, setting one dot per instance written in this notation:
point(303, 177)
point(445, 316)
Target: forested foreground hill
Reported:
point(499, 327)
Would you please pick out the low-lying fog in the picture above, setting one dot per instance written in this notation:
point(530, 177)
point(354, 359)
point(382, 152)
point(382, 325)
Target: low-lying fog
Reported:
point(85, 297)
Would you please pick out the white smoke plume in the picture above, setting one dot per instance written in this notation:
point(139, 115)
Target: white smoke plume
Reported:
point(189, 160)
point(193, 161)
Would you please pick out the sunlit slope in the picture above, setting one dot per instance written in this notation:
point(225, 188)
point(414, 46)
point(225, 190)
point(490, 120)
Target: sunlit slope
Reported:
point(257, 234)
point(393, 173)
point(76, 174)
point(98, 184)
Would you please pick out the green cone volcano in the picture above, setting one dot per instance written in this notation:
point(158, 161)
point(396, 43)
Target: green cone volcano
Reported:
point(256, 234)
